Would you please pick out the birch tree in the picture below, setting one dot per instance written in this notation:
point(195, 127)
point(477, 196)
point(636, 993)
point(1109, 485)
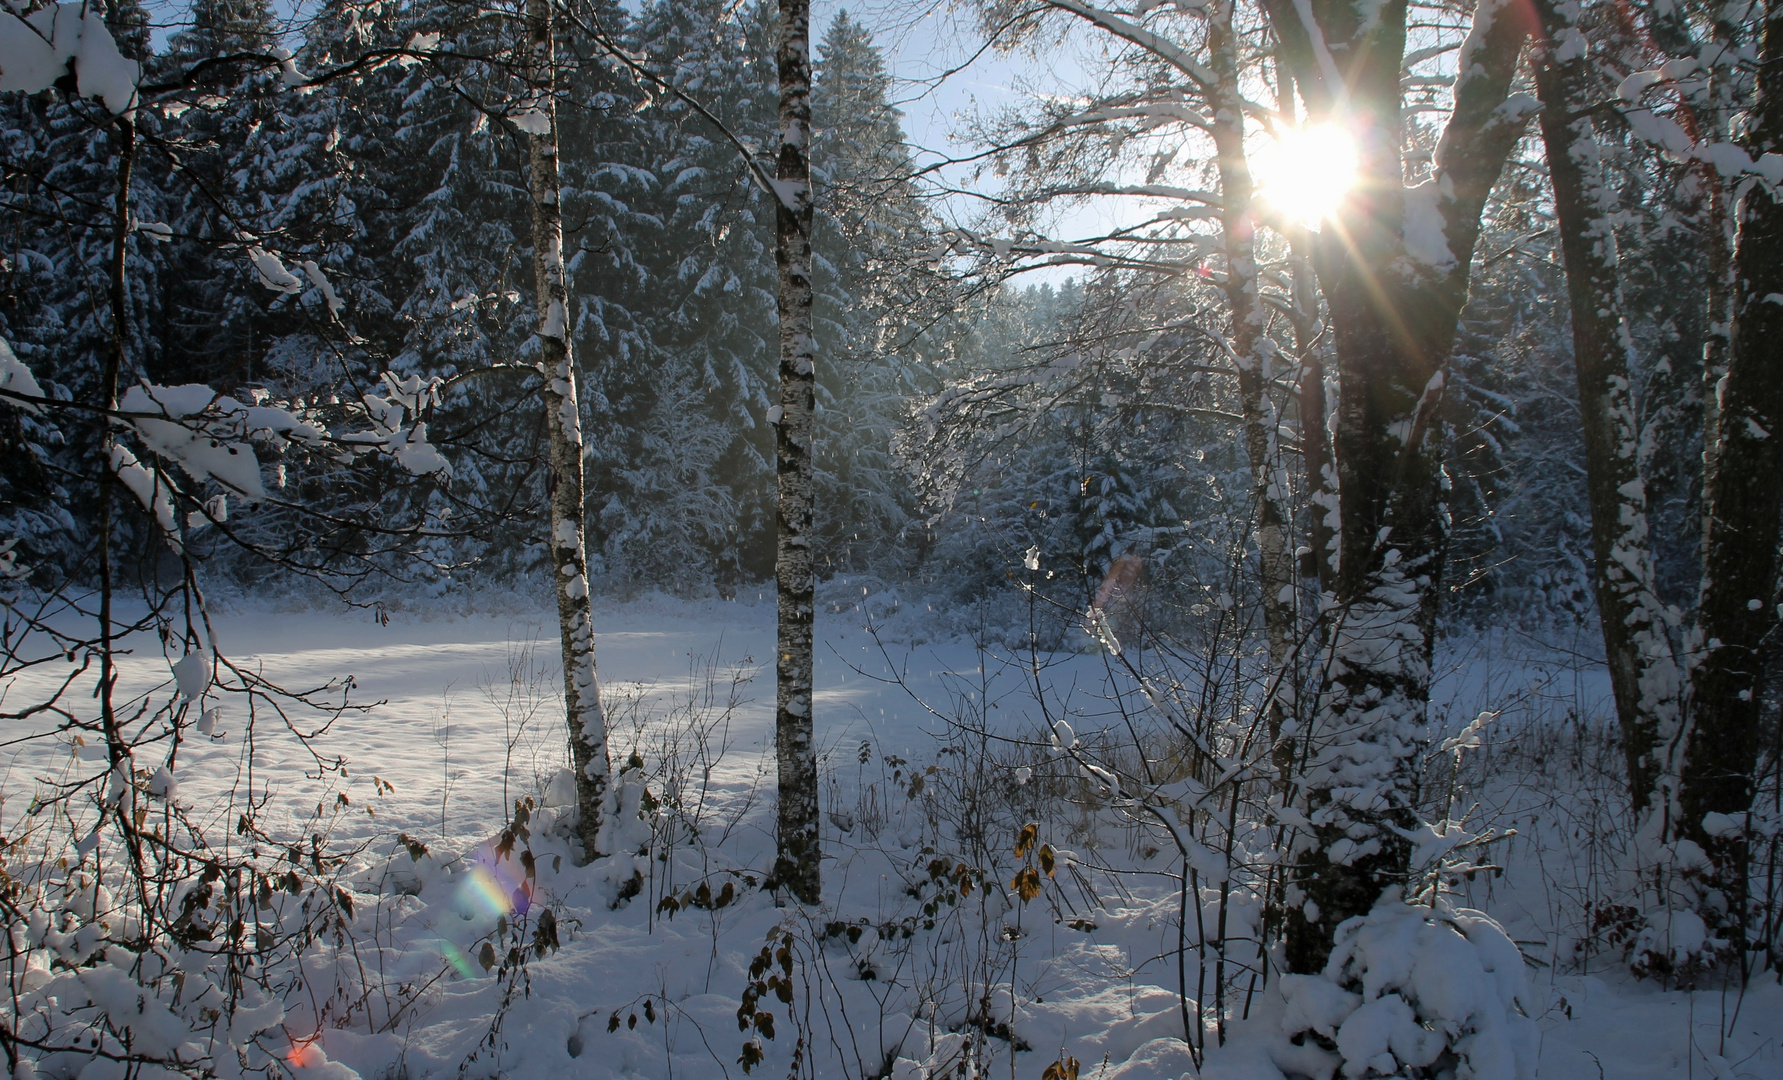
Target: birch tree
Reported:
point(1255, 355)
point(796, 867)
point(557, 369)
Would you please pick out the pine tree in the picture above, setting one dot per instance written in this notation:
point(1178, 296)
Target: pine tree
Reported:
point(683, 469)
point(220, 313)
point(61, 181)
point(874, 301)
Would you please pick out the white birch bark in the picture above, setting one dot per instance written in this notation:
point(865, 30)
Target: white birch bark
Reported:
point(796, 868)
point(569, 557)
point(1255, 355)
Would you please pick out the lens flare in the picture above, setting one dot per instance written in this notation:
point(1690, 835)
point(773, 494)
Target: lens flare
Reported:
point(493, 892)
point(486, 893)
point(305, 1054)
point(455, 956)
point(1305, 173)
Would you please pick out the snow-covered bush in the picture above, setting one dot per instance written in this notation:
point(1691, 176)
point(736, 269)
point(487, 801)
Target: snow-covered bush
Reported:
point(105, 986)
point(1414, 991)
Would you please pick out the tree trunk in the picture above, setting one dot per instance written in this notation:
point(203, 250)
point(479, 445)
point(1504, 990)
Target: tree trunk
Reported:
point(1738, 605)
point(1715, 344)
point(1394, 267)
point(1319, 564)
point(1671, 29)
point(796, 868)
point(116, 362)
point(1254, 353)
point(1644, 674)
point(563, 420)
point(1317, 560)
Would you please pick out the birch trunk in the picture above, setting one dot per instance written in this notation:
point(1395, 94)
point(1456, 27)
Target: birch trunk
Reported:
point(1394, 268)
point(1738, 603)
point(796, 867)
point(1254, 354)
point(1644, 674)
point(1320, 564)
point(563, 421)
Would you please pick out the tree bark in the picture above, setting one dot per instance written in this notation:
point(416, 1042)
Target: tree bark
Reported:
point(563, 421)
point(1670, 28)
point(1738, 601)
point(1644, 674)
point(1254, 354)
point(1319, 565)
point(116, 361)
point(1317, 561)
point(1394, 267)
point(796, 867)
point(1715, 343)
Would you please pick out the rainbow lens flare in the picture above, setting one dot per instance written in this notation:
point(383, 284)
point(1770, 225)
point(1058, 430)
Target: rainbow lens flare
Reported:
point(455, 956)
point(494, 892)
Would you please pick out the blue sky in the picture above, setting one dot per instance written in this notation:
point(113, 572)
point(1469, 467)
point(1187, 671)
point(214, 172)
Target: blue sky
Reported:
point(924, 42)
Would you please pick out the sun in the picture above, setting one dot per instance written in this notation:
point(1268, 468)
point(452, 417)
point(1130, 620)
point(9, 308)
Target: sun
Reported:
point(1305, 172)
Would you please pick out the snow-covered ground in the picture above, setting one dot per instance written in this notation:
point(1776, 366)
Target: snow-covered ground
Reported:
point(465, 724)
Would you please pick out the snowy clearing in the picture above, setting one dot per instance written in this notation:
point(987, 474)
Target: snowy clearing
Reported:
point(1087, 979)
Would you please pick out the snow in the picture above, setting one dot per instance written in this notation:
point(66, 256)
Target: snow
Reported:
point(1727, 159)
point(532, 121)
point(1328, 70)
point(1636, 83)
point(288, 73)
point(36, 49)
point(17, 378)
point(414, 453)
point(314, 272)
point(1426, 238)
point(272, 273)
point(1661, 131)
point(196, 445)
point(455, 748)
point(1770, 166)
point(149, 488)
point(1424, 981)
point(191, 675)
point(555, 323)
point(101, 69)
point(1573, 45)
point(795, 195)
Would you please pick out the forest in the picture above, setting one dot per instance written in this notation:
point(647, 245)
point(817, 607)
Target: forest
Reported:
point(1058, 539)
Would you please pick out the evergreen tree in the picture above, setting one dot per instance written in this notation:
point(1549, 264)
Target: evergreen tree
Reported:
point(221, 312)
point(875, 304)
point(61, 182)
point(682, 474)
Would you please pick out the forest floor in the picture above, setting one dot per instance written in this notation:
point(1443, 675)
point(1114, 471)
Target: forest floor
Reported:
point(465, 724)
